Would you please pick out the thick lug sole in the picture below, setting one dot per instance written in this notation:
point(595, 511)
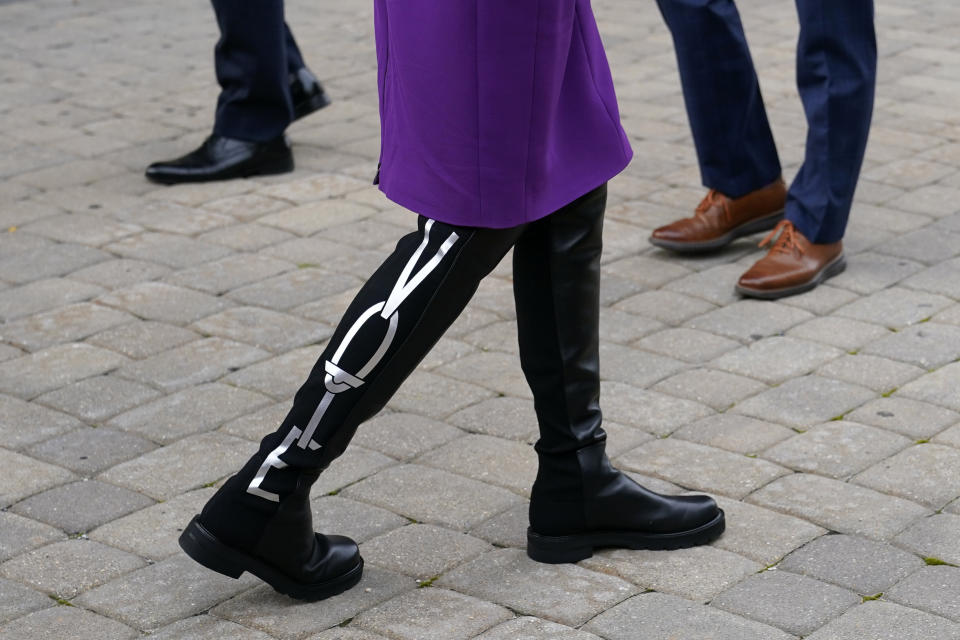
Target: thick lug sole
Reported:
point(748, 228)
point(205, 548)
point(311, 104)
point(573, 548)
point(835, 267)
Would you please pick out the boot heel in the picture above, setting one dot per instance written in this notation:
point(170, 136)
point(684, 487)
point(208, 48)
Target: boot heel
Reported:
point(202, 546)
point(557, 549)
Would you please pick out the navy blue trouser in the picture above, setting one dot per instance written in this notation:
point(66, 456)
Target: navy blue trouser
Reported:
point(836, 76)
point(254, 58)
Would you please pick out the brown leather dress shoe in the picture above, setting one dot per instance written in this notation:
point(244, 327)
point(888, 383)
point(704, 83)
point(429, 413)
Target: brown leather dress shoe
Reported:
point(793, 265)
point(720, 220)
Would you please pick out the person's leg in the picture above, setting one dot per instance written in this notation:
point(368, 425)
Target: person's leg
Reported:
point(735, 146)
point(259, 521)
point(306, 93)
point(294, 57)
point(252, 69)
point(836, 76)
point(579, 501)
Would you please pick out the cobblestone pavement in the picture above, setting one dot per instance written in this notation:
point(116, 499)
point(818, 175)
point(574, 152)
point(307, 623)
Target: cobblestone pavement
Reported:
point(144, 327)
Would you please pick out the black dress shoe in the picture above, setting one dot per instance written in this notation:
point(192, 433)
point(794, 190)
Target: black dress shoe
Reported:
point(307, 93)
point(220, 158)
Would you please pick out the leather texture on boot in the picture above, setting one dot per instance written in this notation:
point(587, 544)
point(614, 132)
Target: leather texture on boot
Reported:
point(719, 220)
point(793, 265)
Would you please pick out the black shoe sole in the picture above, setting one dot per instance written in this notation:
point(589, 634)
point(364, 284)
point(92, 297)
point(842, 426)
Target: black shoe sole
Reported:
point(836, 267)
point(749, 228)
point(272, 164)
point(563, 549)
point(205, 548)
point(311, 104)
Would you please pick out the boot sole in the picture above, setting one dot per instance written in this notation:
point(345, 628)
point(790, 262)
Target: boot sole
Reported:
point(749, 228)
point(836, 267)
point(201, 545)
point(563, 549)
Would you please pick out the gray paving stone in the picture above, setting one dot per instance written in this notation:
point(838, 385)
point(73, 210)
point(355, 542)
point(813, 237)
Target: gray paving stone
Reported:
point(926, 245)
point(928, 345)
point(749, 320)
point(193, 410)
point(689, 345)
point(931, 589)
point(896, 307)
point(194, 363)
point(700, 467)
point(206, 627)
point(880, 374)
point(346, 633)
point(404, 436)
point(262, 328)
point(168, 249)
point(716, 389)
point(80, 506)
point(492, 460)
point(17, 600)
point(87, 451)
point(122, 272)
point(427, 614)
point(667, 307)
point(696, 574)
point(912, 418)
point(95, 399)
point(938, 387)
point(162, 593)
point(822, 300)
point(315, 187)
point(528, 628)
point(186, 464)
point(776, 359)
point(624, 328)
point(219, 276)
point(733, 432)
point(247, 237)
point(163, 302)
point(934, 537)
point(423, 551)
point(864, 566)
point(356, 464)
point(51, 368)
point(761, 534)
point(91, 230)
point(143, 339)
point(650, 411)
point(357, 520)
point(837, 449)
point(434, 496)
point(504, 417)
point(839, 332)
point(19, 534)
point(506, 529)
point(939, 278)
point(9, 353)
point(436, 396)
point(655, 616)
point(937, 484)
point(498, 372)
point(803, 402)
point(839, 506)
point(152, 532)
point(254, 425)
point(279, 377)
point(51, 261)
point(567, 594)
point(795, 603)
point(65, 622)
point(279, 616)
point(869, 272)
point(42, 295)
point(23, 423)
point(293, 288)
point(66, 569)
point(66, 324)
point(879, 620)
point(23, 476)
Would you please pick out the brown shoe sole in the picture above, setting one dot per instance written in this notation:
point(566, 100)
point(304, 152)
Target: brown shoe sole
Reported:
point(748, 228)
point(833, 268)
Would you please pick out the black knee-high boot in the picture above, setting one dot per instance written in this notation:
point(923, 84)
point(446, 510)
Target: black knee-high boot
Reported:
point(260, 520)
point(579, 501)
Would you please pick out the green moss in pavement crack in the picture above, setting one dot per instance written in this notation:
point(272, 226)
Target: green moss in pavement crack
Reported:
point(427, 583)
point(875, 596)
point(937, 562)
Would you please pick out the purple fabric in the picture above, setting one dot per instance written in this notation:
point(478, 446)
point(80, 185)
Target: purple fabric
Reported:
point(494, 112)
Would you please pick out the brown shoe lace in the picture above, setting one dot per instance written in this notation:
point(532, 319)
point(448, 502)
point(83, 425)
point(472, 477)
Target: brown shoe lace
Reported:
point(784, 239)
point(713, 197)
